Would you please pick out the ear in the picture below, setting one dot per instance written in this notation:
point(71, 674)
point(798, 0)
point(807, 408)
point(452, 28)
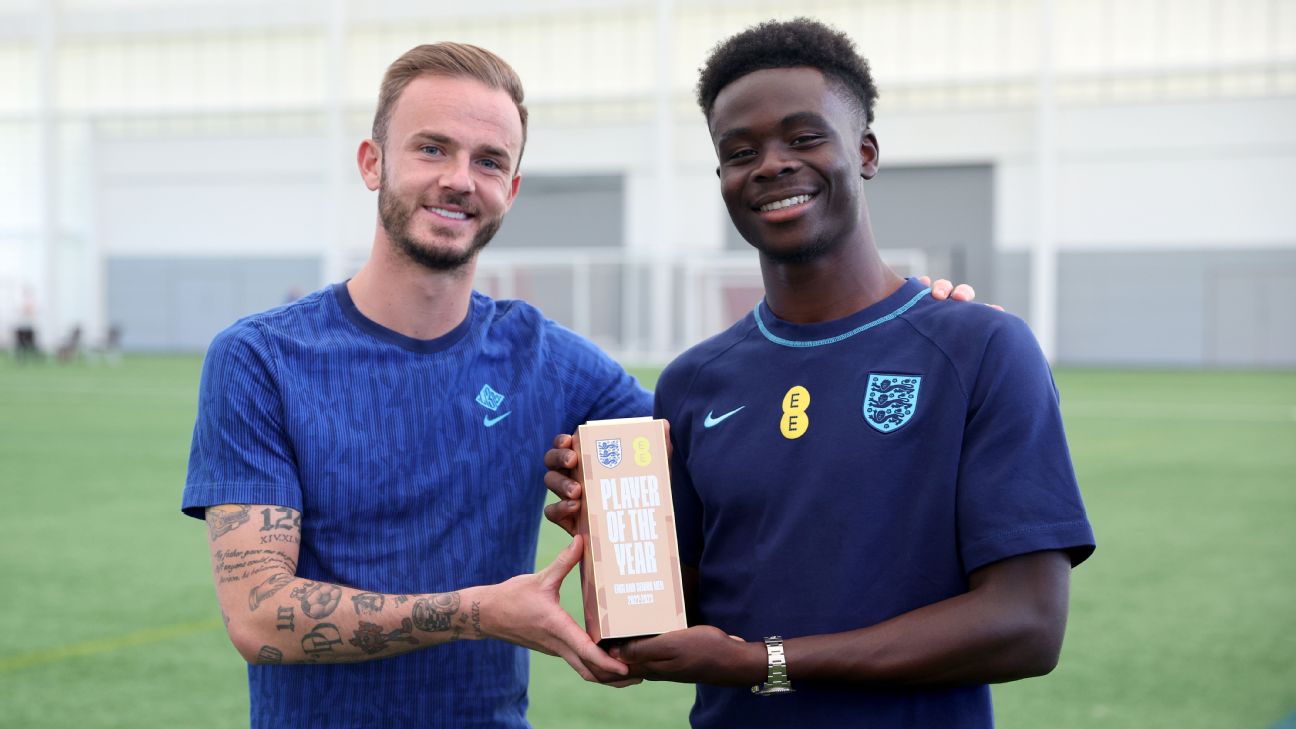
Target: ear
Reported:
point(868, 155)
point(369, 160)
point(514, 186)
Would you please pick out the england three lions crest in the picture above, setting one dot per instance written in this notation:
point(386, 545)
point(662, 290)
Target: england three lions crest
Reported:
point(609, 452)
point(890, 400)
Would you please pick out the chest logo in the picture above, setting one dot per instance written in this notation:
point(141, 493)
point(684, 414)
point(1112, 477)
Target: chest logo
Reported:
point(795, 421)
point(711, 421)
point(491, 400)
point(609, 452)
point(890, 400)
point(488, 398)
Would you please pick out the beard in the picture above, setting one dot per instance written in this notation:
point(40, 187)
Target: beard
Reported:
point(802, 254)
point(396, 217)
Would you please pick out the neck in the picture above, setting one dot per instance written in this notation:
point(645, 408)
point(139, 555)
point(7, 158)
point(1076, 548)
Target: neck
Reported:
point(408, 298)
point(850, 278)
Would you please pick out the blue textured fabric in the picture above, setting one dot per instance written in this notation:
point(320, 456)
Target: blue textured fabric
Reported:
point(849, 524)
point(408, 480)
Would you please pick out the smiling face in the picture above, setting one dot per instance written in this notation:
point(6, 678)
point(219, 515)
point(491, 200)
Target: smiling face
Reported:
point(792, 154)
point(445, 176)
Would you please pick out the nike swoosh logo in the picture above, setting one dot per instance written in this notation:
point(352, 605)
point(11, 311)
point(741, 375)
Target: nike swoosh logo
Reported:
point(488, 421)
point(710, 421)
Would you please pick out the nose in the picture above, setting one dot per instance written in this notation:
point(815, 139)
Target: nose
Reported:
point(775, 162)
point(456, 174)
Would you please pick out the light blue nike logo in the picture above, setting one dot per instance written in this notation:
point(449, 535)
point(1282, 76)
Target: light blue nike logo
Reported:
point(488, 421)
point(710, 421)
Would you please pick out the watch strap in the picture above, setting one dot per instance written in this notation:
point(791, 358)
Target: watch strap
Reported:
point(776, 679)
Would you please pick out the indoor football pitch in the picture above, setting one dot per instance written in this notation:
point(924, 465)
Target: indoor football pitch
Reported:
point(1184, 617)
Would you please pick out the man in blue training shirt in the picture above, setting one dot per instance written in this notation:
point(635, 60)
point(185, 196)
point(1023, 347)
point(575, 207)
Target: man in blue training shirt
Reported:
point(876, 508)
point(365, 456)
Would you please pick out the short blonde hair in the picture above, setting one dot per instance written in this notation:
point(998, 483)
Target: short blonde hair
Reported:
point(454, 60)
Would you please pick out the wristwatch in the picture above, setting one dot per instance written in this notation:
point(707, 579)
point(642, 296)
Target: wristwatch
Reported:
point(776, 681)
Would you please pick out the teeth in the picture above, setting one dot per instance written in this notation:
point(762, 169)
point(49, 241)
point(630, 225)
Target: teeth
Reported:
point(449, 213)
point(788, 202)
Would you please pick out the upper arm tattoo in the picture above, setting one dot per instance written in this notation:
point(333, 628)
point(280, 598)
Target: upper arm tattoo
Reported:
point(222, 520)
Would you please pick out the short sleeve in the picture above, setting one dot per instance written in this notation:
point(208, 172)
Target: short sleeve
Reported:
point(1017, 491)
point(241, 453)
point(596, 387)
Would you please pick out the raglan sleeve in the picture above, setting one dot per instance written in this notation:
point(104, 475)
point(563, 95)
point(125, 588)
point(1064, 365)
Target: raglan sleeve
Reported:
point(241, 452)
point(1017, 490)
point(596, 387)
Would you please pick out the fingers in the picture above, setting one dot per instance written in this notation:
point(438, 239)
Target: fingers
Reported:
point(579, 667)
point(637, 650)
point(560, 459)
point(941, 289)
point(564, 514)
point(562, 485)
point(594, 664)
point(925, 280)
point(963, 292)
point(996, 307)
point(569, 557)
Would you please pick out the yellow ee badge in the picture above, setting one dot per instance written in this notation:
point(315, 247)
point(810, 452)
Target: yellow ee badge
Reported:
point(642, 456)
point(795, 422)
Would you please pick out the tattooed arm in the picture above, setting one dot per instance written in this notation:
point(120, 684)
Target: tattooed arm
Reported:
point(273, 616)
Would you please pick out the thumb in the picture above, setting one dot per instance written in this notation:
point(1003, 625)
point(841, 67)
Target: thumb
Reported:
point(562, 565)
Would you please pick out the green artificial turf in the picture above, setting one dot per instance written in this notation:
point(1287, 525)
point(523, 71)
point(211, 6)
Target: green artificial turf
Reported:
point(1184, 617)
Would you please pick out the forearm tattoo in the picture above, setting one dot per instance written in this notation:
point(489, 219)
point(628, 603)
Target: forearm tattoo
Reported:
point(285, 620)
point(270, 655)
point(232, 565)
point(368, 603)
point(222, 520)
point(434, 615)
point(318, 600)
point(318, 644)
point(371, 639)
point(267, 589)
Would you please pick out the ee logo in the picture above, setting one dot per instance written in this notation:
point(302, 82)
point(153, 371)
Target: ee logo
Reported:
point(795, 422)
point(642, 456)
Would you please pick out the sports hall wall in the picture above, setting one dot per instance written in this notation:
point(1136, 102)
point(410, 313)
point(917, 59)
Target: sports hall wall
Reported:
point(170, 169)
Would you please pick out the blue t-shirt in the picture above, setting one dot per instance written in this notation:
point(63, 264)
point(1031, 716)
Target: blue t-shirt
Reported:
point(416, 465)
point(830, 476)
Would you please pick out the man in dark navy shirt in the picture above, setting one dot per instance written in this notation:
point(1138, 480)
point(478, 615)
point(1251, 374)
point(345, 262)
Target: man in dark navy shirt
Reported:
point(876, 509)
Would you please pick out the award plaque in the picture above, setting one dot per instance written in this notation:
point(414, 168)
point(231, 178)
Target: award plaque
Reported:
point(630, 573)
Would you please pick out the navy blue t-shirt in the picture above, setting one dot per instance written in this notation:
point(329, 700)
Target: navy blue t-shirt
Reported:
point(417, 466)
point(830, 476)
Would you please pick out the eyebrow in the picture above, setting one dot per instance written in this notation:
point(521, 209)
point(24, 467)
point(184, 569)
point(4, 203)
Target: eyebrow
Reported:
point(488, 149)
point(800, 117)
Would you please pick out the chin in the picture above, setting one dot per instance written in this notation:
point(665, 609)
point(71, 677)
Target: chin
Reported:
point(437, 255)
point(799, 252)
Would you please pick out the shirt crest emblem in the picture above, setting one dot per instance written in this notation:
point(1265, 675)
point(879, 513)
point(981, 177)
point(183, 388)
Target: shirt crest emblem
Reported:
point(609, 452)
point(488, 398)
point(890, 400)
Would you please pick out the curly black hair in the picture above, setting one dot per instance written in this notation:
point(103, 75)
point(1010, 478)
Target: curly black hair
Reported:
point(786, 44)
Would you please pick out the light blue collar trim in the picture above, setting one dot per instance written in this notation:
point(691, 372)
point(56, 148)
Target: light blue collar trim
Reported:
point(831, 340)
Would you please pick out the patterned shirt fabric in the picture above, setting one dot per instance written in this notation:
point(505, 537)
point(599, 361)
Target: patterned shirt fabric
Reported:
point(416, 465)
point(830, 476)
